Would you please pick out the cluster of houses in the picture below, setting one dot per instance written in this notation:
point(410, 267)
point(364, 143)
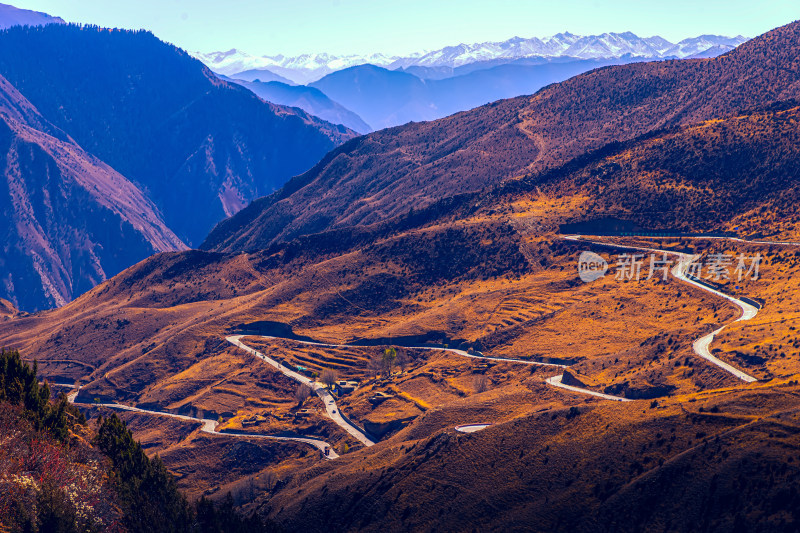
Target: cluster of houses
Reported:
point(344, 387)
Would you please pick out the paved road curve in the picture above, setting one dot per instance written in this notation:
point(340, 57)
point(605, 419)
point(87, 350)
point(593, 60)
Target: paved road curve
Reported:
point(330, 404)
point(471, 428)
point(208, 425)
point(555, 381)
point(701, 346)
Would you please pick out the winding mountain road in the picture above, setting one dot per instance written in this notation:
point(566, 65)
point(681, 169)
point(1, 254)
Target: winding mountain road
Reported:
point(208, 425)
point(702, 345)
point(333, 411)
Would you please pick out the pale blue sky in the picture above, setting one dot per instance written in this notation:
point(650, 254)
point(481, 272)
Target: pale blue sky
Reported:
point(402, 26)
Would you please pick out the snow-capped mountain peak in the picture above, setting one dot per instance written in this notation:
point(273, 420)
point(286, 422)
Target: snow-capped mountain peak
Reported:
point(309, 67)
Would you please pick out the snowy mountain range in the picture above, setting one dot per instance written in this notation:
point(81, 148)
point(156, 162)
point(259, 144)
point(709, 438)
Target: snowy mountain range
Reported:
point(309, 67)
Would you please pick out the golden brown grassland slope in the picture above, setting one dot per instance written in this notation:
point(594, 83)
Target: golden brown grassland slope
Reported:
point(698, 449)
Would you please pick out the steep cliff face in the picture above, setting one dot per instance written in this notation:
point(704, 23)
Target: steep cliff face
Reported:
point(116, 145)
point(199, 147)
point(69, 221)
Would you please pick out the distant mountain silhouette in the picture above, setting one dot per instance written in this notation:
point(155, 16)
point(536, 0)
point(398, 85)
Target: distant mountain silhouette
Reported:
point(481, 86)
point(201, 148)
point(309, 99)
point(12, 16)
point(382, 97)
point(442, 72)
point(386, 98)
point(261, 74)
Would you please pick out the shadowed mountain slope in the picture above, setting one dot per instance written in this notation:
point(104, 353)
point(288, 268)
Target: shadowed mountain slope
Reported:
point(69, 220)
point(308, 99)
point(737, 172)
point(201, 148)
point(391, 171)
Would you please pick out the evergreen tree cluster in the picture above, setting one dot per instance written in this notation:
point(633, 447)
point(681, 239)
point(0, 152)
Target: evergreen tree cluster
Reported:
point(19, 385)
point(149, 496)
point(142, 488)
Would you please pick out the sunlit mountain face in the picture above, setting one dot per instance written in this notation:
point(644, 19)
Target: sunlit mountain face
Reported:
point(531, 285)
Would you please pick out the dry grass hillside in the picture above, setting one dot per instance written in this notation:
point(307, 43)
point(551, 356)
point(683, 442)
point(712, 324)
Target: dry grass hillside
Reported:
point(696, 448)
point(718, 462)
point(389, 172)
point(154, 337)
point(732, 174)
